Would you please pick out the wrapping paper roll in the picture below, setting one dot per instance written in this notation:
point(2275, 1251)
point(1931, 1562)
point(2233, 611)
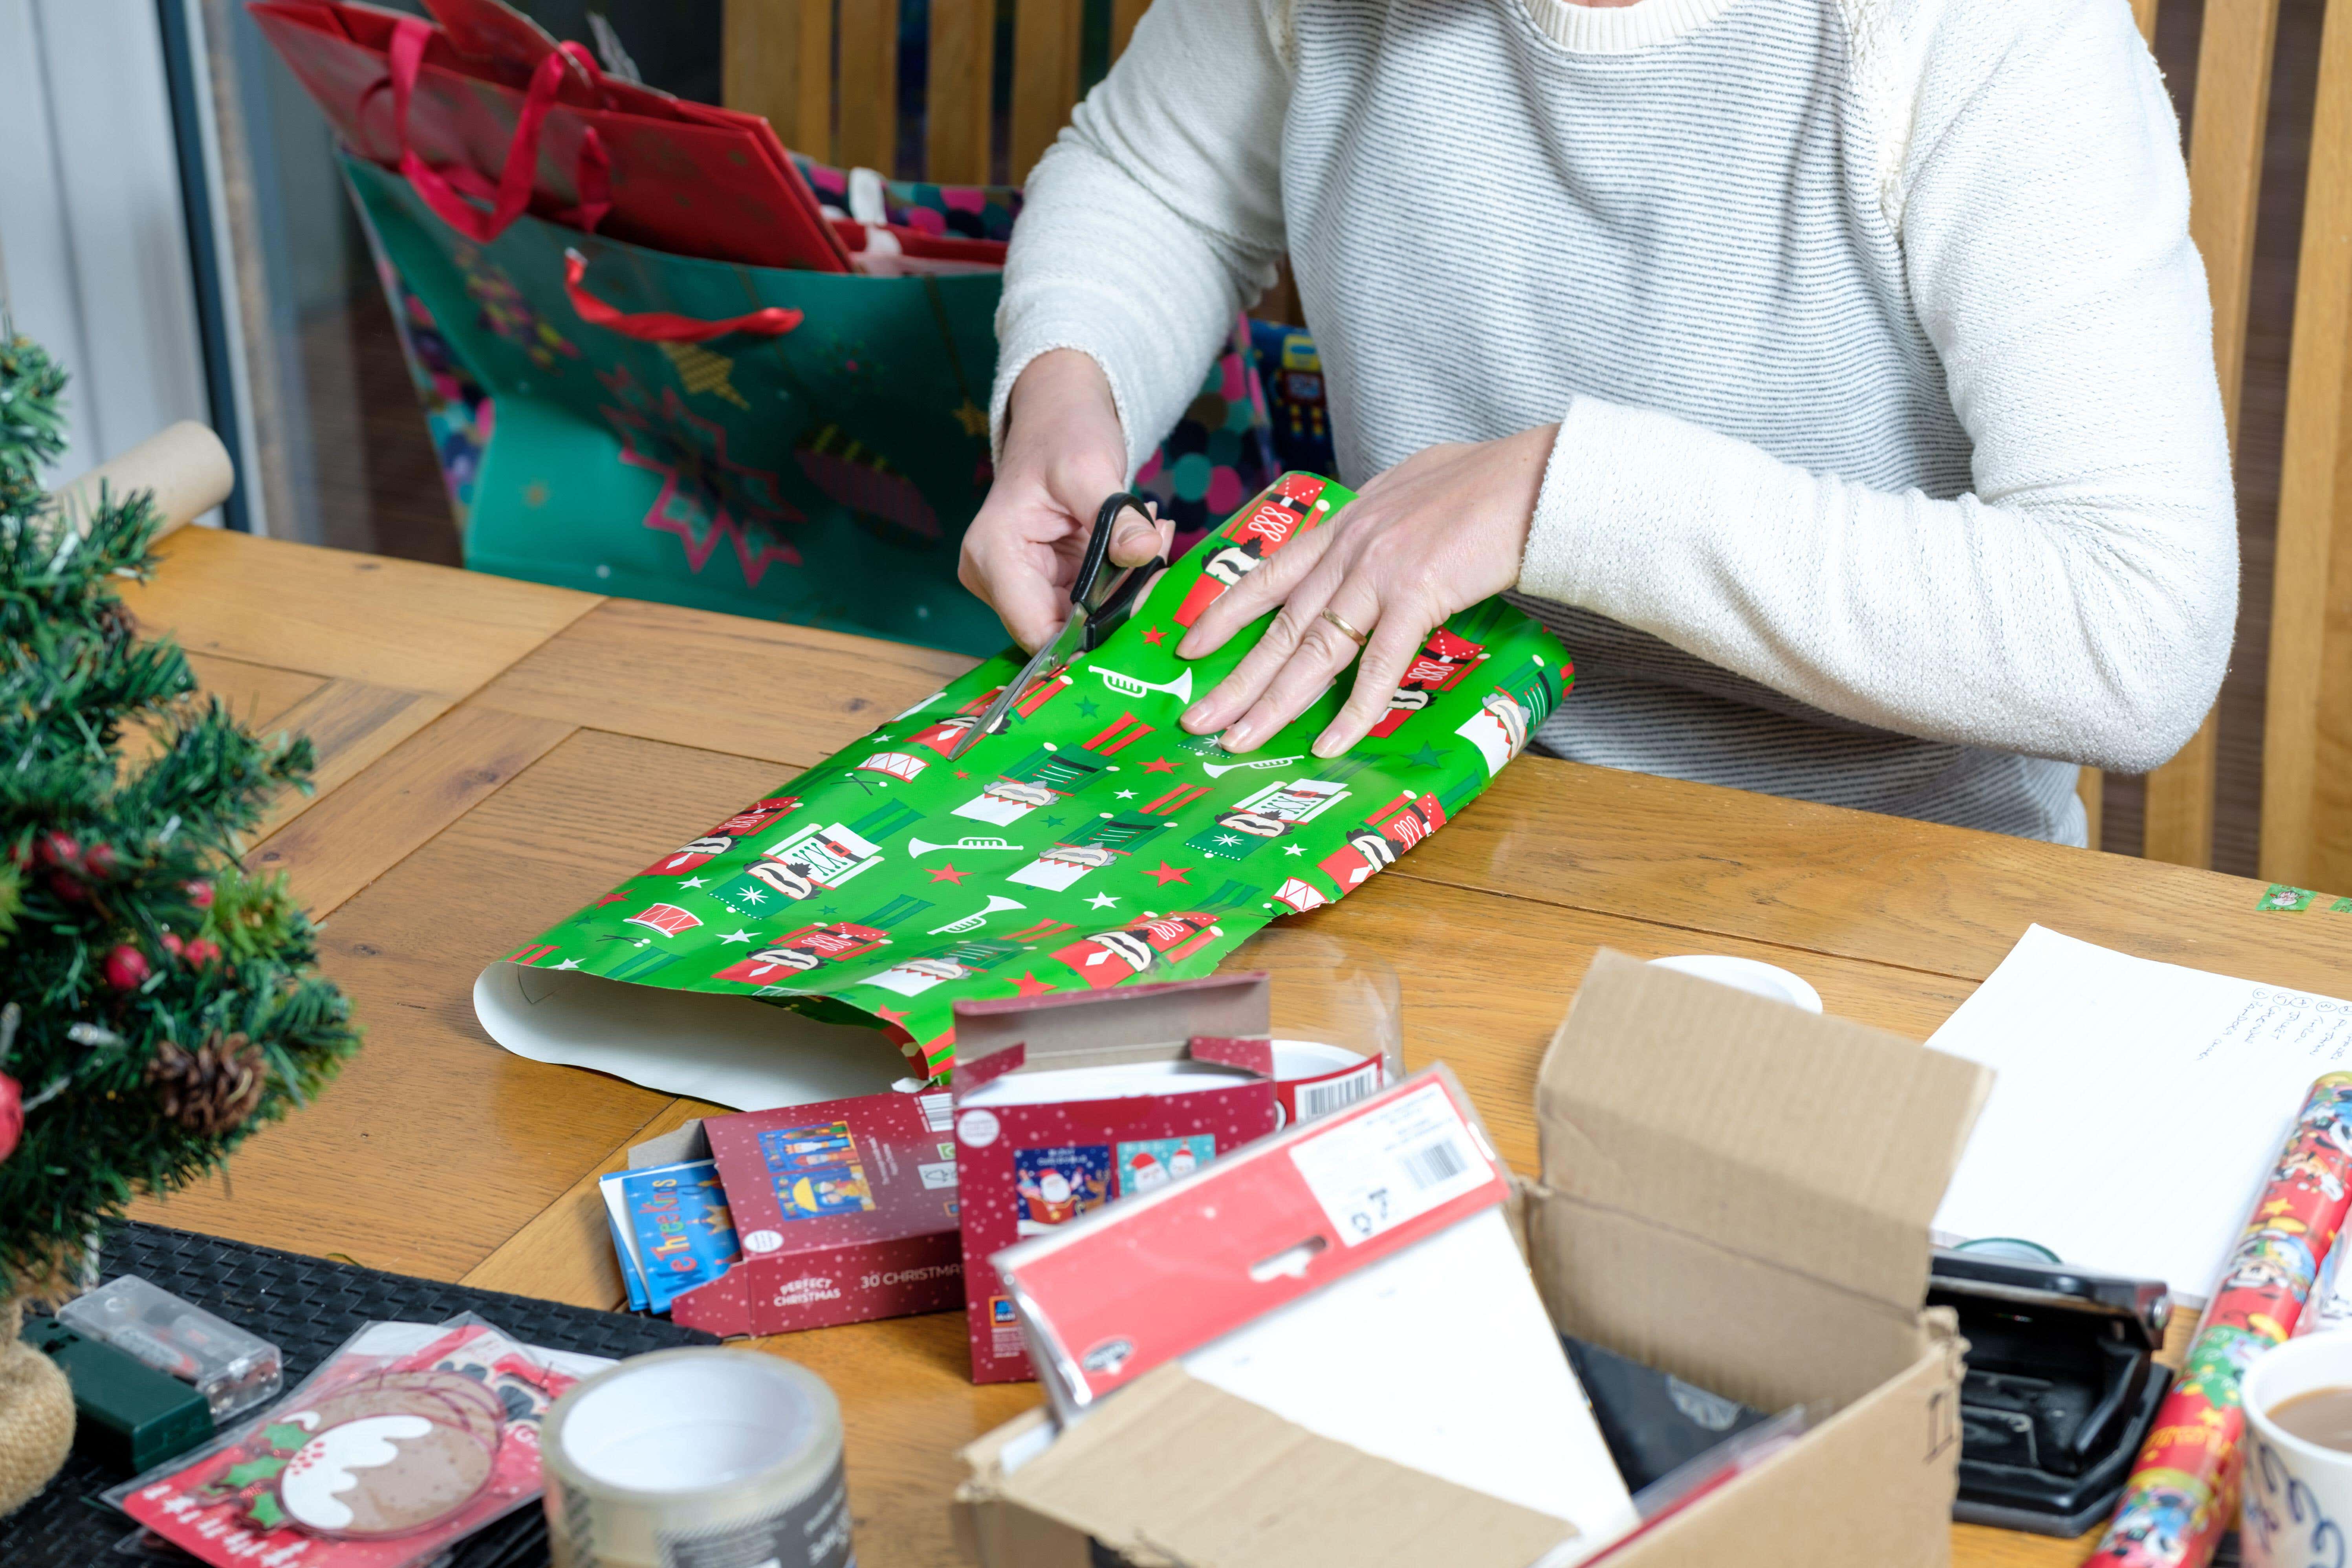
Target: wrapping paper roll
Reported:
point(2183, 1492)
point(697, 1456)
point(184, 465)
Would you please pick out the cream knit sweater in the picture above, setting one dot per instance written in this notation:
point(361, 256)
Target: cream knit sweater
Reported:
point(1891, 468)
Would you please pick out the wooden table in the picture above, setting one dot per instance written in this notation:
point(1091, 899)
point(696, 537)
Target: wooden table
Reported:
point(493, 754)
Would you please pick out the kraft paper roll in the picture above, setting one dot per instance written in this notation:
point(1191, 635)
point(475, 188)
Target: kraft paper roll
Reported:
point(689, 1455)
point(185, 464)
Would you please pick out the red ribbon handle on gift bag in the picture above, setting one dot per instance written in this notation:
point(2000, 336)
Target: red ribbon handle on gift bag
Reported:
point(510, 197)
point(661, 326)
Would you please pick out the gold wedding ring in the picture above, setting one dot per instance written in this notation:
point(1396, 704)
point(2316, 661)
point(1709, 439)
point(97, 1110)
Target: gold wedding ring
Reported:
point(1350, 632)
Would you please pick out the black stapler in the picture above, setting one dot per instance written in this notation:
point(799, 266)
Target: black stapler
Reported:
point(2061, 1387)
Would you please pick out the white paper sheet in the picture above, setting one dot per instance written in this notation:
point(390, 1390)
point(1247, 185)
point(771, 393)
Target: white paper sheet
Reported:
point(731, 1050)
point(1441, 1358)
point(2139, 1106)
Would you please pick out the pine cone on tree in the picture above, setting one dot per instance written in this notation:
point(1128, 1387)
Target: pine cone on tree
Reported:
point(213, 1088)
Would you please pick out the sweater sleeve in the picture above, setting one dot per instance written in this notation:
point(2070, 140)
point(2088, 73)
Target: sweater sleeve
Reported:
point(2079, 603)
point(1155, 217)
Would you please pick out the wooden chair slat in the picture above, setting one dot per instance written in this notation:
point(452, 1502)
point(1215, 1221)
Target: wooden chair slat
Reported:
point(963, 62)
point(1045, 76)
point(2225, 176)
point(868, 116)
point(776, 60)
point(2306, 827)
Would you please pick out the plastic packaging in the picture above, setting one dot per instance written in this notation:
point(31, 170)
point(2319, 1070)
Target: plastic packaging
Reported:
point(384, 1457)
point(234, 1370)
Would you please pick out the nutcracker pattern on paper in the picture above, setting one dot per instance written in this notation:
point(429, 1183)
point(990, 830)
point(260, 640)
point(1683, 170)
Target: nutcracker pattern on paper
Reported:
point(1088, 840)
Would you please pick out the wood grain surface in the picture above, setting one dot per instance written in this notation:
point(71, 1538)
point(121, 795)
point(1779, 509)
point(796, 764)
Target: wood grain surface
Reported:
point(497, 754)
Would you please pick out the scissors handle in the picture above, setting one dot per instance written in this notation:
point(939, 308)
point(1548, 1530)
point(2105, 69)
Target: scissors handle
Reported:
point(1099, 542)
point(1106, 618)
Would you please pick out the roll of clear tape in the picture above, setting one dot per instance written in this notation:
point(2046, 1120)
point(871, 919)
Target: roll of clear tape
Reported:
point(696, 1458)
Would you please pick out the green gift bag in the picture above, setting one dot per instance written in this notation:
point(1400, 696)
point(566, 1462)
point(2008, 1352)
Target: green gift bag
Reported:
point(810, 445)
point(1089, 842)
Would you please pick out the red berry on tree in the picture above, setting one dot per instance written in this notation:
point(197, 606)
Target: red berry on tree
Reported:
point(127, 968)
point(173, 944)
point(202, 951)
point(201, 895)
point(59, 850)
point(99, 861)
point(12, 1114)
point(65, 886)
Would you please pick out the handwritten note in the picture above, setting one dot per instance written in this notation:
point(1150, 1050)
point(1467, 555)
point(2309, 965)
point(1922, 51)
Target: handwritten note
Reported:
point(2139, 1105)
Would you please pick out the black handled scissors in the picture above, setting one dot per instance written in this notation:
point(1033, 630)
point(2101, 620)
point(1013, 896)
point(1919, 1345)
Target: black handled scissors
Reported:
point(1100, 602)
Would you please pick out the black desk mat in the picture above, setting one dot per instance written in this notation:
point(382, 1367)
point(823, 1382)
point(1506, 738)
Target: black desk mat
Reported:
point(309, 1305)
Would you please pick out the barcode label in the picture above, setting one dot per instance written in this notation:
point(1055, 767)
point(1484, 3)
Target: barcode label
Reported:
point(938, 1110)
point(1322, 1099)
point(1433, 1165)
point(1378, 1170)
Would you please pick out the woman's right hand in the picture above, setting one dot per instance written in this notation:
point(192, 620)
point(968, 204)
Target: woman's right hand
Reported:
point(1063, 452)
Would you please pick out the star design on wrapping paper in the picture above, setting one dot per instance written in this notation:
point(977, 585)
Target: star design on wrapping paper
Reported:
point(1228, 838)
point(1103, 901)
point(972, 417)
point(1427, 757)
point(615, 897)
point(949, 874)
point(707, 498)
point(888, 1016)
point(1030, 985)
point(1087, 710)
point(691, 882)
point(752, 896)
point(1154, 635)
point(737, 936)
point(961, 774)
point(567, 964)
point(1167, 874)
point(1124, 794)
point(1294, 849)
point(1159, 766)
point(1055, 821)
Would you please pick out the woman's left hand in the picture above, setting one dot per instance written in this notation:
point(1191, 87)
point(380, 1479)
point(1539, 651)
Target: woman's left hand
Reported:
point(1438, 532)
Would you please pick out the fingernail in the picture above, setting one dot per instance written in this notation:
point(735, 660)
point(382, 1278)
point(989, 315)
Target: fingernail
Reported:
point(1324, 747)
point(1239, 738)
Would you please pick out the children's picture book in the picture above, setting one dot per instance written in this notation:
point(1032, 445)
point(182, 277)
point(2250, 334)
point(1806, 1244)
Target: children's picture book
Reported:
point(624, 1242)
point(683, 1234)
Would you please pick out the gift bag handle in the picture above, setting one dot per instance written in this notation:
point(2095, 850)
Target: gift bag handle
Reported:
point(661, 326)
point(510, 197)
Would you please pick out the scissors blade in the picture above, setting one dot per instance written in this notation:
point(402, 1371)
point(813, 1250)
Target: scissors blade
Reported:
point(1067, 643)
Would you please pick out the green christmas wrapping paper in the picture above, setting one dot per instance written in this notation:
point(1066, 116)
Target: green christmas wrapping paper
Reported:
point(1089, 842)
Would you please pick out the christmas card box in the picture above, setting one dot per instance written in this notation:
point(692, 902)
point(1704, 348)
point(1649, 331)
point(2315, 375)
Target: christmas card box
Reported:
point(1065, 1102)
point(1356, 1277)
point(1732, 1191)
point(845, 1211)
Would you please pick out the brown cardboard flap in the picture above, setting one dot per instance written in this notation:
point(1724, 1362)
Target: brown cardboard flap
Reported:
point(1814, 1144)
point(1229, 1484)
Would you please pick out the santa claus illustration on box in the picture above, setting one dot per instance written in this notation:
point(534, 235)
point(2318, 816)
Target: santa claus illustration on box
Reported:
point(723, 837)
point(1293, 506)
point(1440, 666)
point(798, 951)
point(796, 866)
point(1106, 958)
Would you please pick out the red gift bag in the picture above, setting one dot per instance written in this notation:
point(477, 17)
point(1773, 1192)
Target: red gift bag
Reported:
point(490, 108)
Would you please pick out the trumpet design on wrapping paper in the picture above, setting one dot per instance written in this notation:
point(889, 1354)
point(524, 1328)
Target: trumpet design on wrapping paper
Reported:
point(1087, 841)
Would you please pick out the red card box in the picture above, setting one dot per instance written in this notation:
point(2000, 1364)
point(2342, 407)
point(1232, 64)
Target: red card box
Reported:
point(846, 1210)
point(1028, 1168)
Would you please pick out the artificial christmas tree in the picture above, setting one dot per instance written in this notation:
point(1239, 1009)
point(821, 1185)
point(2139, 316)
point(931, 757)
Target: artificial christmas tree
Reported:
point(156, 1005)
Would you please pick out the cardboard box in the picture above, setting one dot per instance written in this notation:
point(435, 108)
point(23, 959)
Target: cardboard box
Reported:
point(845, 1211)
point(1026, 1166)
point(1732, 1189)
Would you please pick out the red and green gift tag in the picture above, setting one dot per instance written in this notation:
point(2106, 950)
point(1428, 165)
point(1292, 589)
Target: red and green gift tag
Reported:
point(1090, 841)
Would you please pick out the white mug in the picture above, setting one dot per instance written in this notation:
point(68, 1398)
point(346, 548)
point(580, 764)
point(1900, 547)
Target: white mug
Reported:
point(2297, 1507)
